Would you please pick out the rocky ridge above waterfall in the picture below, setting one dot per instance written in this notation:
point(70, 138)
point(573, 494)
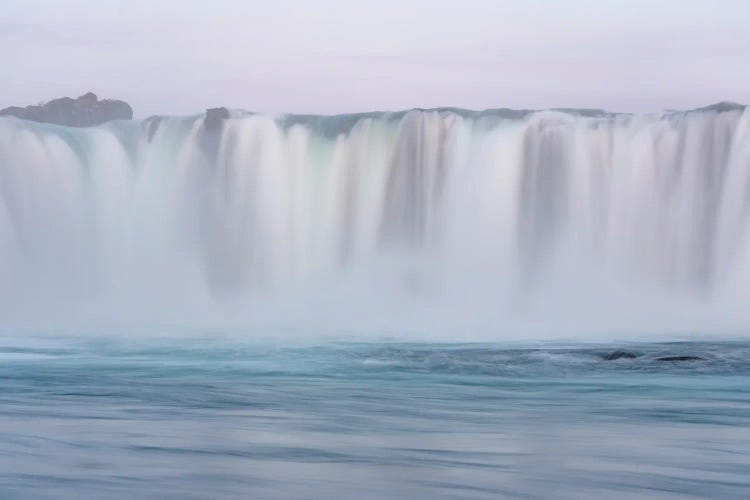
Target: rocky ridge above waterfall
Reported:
point(87, 111)
point(84, 111)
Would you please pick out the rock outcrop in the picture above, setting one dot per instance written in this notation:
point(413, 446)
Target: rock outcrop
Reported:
point(210, 134)
point(85, 111)
point(215, 118)
point(613, 356)
point(680, 358)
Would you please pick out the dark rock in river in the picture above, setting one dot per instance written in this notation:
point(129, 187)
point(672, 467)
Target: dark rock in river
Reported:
point(680, 358)
point(215, 118)
point(85, 111)
point(612, 356)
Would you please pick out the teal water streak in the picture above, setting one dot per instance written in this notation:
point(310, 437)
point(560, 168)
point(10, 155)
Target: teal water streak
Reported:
point(224, 418)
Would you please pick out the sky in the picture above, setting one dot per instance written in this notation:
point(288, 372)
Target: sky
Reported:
point(333, 56)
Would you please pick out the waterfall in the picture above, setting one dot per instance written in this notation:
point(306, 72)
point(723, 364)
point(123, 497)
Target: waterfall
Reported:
point(560, 209)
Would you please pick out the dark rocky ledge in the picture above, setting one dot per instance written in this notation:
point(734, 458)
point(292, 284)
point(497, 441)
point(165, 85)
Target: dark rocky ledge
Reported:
point(613, 356)
point(215, 117)
point(210, 134)
point(680, 358)
point(85, 111)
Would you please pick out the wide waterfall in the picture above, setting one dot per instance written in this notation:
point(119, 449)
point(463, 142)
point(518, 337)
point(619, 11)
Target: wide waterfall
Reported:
point(472, 221)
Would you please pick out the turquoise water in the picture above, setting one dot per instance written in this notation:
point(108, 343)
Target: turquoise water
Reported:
point(224, 418)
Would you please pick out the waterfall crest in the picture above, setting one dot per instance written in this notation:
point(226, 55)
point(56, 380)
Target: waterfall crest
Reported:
point(495, 207)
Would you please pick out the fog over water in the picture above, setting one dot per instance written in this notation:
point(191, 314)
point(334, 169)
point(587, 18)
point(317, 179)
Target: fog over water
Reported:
point(467, 225)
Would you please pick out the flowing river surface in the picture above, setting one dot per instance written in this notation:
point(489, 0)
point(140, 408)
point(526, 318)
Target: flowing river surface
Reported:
point(218, 417)
point(376, 305)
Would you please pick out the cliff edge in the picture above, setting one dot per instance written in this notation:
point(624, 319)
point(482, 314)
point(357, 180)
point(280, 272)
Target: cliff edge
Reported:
point(85, 111)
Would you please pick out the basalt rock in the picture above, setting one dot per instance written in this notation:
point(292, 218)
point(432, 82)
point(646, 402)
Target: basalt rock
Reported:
point(612, 356)
point(215, 118)
point(210, 135)
point(85, 111)
point(680, 358)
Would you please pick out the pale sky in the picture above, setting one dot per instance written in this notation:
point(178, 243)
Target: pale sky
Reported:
point(332, 56)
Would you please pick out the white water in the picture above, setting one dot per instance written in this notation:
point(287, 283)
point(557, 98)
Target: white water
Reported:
point(420, 220)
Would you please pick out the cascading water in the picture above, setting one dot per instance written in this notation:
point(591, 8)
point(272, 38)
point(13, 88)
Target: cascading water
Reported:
point(466, 218)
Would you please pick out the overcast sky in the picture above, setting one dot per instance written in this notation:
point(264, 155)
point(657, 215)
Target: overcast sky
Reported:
point(331, 56)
